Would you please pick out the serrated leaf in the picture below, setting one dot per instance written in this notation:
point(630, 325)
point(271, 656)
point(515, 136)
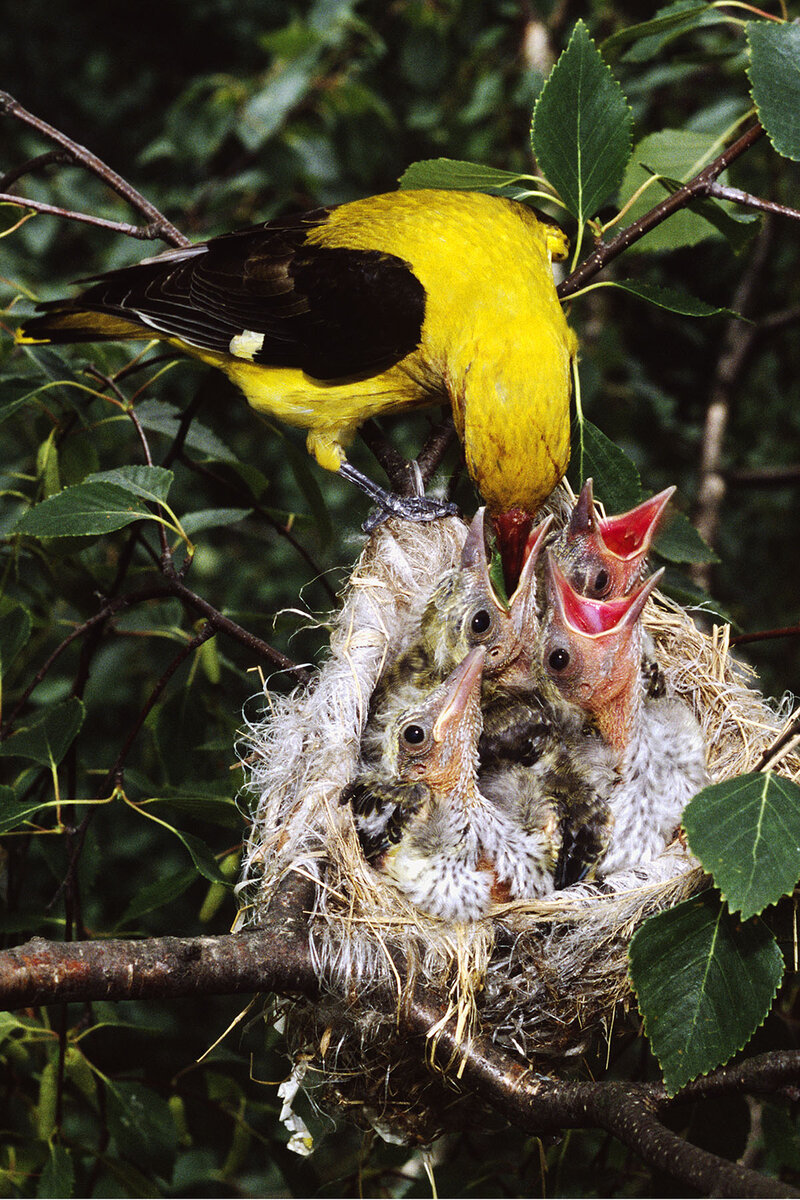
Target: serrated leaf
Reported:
point(746, 833)
point(582, 127)
point(678, 154)
point(57, 1180)
point(453, 173)
point(774, 74)
point(679, 542)
point(616, 477)
point(672, 299)
point(15, 629)
point(140, 1122)
point(212, 518)
point(160, 417)
point(669, 22)
point(47, 736)
point(704, 982)
point(88, 509)
point(151, 483)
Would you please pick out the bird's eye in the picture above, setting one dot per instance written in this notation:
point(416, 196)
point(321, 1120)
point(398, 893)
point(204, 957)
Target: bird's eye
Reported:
point(414, 735)
point(602, 582)
point(559, 659)
point(481, 620)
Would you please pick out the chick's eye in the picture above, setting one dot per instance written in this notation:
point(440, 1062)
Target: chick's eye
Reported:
point(414, 735)
point(481, 620)
point(559, 659)
point(602, 581)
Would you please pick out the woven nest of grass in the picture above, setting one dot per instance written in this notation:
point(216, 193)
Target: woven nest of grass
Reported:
point(539, 977)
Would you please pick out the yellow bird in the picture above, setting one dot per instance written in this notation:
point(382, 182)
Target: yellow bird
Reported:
point(328, 318)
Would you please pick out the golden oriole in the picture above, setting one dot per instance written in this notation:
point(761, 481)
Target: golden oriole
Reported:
point(330, 317)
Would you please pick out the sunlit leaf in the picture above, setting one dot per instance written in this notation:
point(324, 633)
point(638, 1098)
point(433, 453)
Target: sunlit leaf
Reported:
point(453, 173)
point(746, 833)
point(151, 483)
point(582, 127)
point(669, 22)
point(704, 982)
point(86, 509)
point(678, 154)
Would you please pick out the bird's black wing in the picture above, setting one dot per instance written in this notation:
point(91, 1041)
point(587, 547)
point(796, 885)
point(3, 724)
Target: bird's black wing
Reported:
point(332, 312)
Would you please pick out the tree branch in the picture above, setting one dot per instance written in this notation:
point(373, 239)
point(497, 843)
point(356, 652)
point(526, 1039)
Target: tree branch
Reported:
point(161, 227)
point(277, 957)
point(695, 189)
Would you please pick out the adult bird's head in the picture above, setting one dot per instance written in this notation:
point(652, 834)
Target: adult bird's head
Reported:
point(603, 557)
point(591, 650)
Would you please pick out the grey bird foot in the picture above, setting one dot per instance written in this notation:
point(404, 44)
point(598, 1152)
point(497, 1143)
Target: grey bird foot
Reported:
point(410, 508)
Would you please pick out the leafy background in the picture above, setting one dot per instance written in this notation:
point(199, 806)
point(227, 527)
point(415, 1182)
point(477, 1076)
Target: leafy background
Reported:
point(225, 114)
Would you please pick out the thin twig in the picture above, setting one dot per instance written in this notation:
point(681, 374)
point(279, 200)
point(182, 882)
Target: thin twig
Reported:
point(438, 443)
point(161, 226)
point(33, 164)
point(720, 192)
point(143, 232)
point(765, 635)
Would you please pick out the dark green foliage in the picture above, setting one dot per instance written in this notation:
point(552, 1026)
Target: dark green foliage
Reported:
point(120, 784)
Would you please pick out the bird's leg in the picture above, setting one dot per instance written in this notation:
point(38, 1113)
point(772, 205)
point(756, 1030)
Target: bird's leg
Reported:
point(412, 508)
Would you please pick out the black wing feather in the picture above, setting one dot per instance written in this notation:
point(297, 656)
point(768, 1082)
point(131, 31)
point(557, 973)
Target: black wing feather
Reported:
point(332, 312)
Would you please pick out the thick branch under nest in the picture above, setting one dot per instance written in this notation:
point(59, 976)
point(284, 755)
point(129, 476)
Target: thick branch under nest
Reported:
point(539, 977)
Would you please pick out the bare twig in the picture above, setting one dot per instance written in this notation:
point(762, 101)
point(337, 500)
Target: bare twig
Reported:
point(435, 448)
point(763, 477)
point(33, 164)
point(720, 192)
point(765, 635)
point(143, 232)
point(160, 225)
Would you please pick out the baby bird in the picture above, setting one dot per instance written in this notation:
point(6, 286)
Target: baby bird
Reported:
point(592, 650)
point(443, 844)
point(604, 557)
point(463, 612)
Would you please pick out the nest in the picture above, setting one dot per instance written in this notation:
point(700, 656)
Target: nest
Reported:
point(539, 977)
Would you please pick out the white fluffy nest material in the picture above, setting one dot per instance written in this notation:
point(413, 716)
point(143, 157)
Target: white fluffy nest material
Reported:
point(536, 976)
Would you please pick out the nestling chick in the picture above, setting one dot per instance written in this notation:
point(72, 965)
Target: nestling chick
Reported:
point(604, 557)
point(443, 844)
point(592, 651)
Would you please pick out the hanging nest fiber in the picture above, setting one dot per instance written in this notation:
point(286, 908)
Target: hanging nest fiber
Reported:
point(539, 977)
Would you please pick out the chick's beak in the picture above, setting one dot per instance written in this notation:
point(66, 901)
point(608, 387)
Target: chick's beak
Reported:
point(461, 698)
point(595, 618)
point(522, 605)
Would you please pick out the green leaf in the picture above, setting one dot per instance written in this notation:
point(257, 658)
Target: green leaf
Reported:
point(14, 395)
point(86, 509)
point(774, 73)
point(670, 298)
point(48, 735)
point(453, 173)
point(151, 483)
point(582, 127)
point(668, 22)
point(679, 542)
point(746, 833)
point(13, 812)
point(300, 465)
point(678, 154)
point(15, 629)
point(212, 518)
point(157, 895)
point(704, 982)
point(160, 417)
point(141, 1124)
point(616, 477)
point(57, 1180)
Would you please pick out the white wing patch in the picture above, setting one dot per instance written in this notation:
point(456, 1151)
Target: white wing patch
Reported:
point(246, 344)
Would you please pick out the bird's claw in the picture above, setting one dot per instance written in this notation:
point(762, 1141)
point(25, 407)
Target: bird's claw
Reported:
point(410, 508)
